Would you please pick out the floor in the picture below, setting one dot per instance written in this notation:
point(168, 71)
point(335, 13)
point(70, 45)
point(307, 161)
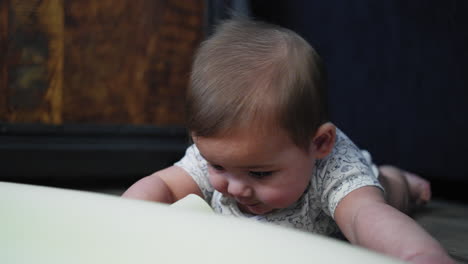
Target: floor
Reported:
point(448, 223)
point(445, 220)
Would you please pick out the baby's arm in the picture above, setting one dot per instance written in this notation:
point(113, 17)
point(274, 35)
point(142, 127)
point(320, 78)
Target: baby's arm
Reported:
point(367, 220)
point(167, 186)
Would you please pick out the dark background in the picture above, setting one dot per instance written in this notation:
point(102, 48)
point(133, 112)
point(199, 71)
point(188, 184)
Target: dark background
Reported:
point(92, 92)
point(398, 78)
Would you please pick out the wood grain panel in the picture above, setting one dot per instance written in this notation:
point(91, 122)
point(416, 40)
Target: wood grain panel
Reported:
point(3, 57)
point(104, 62)
point(128, 61)
point(33, 64)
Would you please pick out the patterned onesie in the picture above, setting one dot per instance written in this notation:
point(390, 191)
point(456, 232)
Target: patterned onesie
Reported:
point(345, 169)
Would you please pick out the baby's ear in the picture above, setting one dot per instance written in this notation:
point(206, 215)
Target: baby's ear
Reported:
point(324, 140)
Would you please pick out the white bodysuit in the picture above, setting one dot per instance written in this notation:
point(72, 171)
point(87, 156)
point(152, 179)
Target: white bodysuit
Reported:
point(345, 169)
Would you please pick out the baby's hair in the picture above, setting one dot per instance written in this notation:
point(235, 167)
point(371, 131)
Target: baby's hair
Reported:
point(256, 75)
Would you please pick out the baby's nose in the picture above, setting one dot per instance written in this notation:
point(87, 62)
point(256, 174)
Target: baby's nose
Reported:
point(238, 188)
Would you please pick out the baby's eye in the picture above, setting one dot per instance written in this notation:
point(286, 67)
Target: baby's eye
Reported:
point(260, 174)
point(217, 167)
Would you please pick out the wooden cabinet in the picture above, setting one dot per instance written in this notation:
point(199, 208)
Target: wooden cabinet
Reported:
point(97, 62)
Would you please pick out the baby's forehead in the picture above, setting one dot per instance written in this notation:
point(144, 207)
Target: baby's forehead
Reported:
point(244, 149)
point(249, 138)
point(254, 129)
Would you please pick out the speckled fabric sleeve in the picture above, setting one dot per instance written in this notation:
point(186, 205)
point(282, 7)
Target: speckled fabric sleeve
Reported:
point(346, 169)
point(194, 164)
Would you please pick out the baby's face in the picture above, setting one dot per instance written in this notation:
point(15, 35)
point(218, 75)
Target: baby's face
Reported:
point(262, 172)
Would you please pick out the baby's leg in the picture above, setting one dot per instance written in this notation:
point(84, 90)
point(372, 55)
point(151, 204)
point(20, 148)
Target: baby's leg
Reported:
point(404, 190)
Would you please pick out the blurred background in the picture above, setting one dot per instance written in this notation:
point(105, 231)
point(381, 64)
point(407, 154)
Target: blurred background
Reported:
point(92, 92)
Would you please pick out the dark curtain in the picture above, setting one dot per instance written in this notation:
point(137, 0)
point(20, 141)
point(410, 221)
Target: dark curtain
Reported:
point(398, 75)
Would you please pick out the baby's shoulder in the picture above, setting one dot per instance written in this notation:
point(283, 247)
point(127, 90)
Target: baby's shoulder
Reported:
point(344, 149)
point(344, 157)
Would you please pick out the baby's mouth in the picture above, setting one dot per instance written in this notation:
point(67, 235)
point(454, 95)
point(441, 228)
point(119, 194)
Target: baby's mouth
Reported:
point(251, 208)
point(247, 203)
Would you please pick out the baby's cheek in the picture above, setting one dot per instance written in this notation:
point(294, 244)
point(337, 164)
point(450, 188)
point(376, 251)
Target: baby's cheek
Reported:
point(278, 198)
point(218, 182)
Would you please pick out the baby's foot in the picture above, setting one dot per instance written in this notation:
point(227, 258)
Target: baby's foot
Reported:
point(419, 188)
point(405, 191)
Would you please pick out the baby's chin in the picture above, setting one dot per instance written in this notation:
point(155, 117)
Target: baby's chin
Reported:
point(259, 209)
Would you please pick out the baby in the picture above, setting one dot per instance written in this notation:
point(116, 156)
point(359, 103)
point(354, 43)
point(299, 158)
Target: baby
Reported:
point(264, 149)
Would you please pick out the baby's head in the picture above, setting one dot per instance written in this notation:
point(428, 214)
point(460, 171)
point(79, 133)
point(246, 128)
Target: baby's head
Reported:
point(257, 76)
point(256, 111)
